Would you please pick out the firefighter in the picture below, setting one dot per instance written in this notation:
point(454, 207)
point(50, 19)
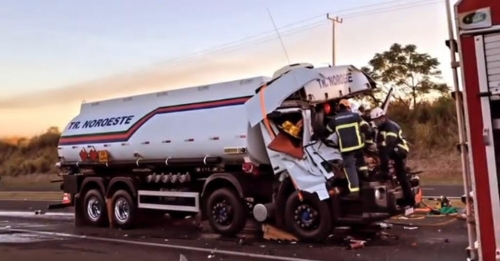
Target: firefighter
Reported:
point(364, 113)
point(368, 132)
point(349, 127)
point(392, 145)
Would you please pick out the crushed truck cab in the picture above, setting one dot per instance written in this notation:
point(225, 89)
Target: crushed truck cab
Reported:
point(307, 163)
point(226, 151)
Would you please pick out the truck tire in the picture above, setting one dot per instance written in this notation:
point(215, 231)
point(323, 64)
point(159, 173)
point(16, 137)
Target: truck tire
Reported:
point(310, 220)
point(94, 208)
point(226, 212)
point(124, 209)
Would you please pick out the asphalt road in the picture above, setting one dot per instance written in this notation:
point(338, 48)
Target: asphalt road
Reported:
point(25, 205)
point(443, 190)
point(26, 236)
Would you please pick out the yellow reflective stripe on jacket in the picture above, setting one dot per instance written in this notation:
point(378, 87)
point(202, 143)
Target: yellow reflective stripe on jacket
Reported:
point(393, 134)
point(328, 128)
point(349, 183)
point(383, 135)
point(358, 135)
point(404, 144)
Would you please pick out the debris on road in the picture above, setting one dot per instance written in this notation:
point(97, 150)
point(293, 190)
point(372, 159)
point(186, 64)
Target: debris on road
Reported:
point(410, 228)
point(241, 241)
point(274, 233)
point(354, 243)
point(384, 225)
point(212, 254)
point(384, 235)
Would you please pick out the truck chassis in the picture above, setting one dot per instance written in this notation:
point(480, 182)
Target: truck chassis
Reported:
point(105, 195)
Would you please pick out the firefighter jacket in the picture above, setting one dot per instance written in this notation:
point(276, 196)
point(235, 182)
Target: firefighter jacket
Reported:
point(391, 136)
point(351, 130)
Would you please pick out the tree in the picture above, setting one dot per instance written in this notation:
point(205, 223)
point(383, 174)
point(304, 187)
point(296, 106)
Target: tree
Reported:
point(53, 130)
point(409, 72)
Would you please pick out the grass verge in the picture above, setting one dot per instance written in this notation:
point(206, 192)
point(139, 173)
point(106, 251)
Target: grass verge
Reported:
point(33, 182)
point(31, 195)
point(439, 169)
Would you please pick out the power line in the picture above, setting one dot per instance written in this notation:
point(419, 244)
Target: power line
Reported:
point(394, 8)
point(303, 21)
point(263, 37)
point(272, 32)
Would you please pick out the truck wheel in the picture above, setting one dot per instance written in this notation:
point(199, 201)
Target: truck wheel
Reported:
point(310, 220)
point(226, 212)
point(124, 209)
point(94, 208)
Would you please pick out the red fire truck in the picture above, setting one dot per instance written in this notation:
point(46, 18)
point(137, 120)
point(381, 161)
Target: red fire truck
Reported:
point(477, 24)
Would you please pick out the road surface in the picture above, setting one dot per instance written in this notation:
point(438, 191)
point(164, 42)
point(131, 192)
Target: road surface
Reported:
point(26, 236)
point(443, 190)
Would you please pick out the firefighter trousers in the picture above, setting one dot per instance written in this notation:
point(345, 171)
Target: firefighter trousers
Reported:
point(398, 156)
point(354, 165)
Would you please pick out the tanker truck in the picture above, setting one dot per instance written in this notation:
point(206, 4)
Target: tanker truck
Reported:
point(224, 152)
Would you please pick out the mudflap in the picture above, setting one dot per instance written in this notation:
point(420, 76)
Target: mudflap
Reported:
point(109, 208)
point(79, 215)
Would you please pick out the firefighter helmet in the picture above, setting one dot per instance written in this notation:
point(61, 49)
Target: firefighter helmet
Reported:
point(376, 113)
point(345, 103)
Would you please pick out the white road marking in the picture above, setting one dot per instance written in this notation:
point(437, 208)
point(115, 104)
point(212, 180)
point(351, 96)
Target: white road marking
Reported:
point(30, 200)
point(25, 238)
point(31, 214)
point(131, 242)
point(31, 192)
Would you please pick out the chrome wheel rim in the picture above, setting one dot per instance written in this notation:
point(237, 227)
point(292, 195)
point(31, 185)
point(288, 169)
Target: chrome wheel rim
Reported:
point(94, 208)
point(122, 210)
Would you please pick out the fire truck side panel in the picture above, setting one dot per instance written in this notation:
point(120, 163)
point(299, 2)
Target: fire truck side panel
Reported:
point(474, 60)
point(488, 50)
point(477, 153)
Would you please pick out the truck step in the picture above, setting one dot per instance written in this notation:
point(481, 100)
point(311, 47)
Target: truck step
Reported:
point(274, 233)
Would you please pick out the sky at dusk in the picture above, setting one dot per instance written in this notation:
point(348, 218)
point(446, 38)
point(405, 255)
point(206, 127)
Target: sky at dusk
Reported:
point(55, 54)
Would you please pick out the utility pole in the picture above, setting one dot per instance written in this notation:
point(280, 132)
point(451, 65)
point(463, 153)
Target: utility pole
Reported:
point(334, 20)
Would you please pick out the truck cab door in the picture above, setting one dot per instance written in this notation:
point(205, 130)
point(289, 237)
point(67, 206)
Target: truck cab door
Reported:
point(307, 172)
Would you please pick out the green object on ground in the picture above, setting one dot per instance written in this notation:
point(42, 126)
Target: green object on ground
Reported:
point(448, 210)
